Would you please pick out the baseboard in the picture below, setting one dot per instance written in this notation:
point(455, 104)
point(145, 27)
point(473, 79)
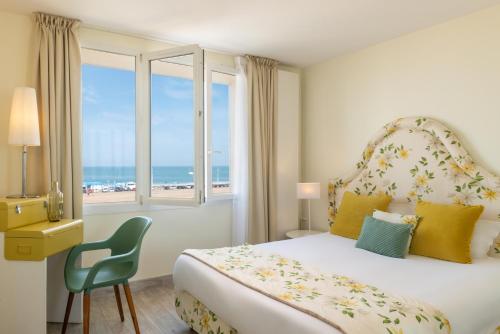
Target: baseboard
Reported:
point(138, 285)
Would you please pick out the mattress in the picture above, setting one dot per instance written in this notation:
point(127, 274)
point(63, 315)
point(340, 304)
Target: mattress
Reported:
point(468, 294)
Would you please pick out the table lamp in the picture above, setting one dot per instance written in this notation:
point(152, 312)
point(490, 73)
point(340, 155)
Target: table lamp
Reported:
point(23, 128)
point(308, 191)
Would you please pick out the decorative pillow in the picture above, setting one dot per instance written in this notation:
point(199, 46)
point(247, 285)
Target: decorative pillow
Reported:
point(352, 211)
point(483, 238)
point(445, 231)
point(397, 218)
point(384, 238)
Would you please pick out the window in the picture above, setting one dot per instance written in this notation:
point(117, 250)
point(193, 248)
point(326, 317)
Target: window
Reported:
point(175, 99)
point(174, 147)
point(220, 105)
point(108, 117)
point(172, 127)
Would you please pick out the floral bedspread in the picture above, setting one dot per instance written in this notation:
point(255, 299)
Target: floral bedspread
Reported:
point(198, 317)
point(345, 304)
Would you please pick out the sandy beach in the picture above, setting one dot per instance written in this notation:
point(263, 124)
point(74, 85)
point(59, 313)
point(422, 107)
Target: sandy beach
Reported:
point(129, 196)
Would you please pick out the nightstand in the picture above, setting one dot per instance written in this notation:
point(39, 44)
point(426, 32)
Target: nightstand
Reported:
point(300, 233)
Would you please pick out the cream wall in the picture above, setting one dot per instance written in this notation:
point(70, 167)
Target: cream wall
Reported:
point(15, 70)
point(173, 229)
point(450, 72)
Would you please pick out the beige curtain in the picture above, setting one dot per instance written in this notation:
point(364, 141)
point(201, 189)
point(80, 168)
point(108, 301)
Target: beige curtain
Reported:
point(262, 96)
point(57, 79)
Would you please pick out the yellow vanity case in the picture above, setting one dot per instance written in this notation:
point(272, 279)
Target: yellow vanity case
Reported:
point(15, 212)
point(37, 241)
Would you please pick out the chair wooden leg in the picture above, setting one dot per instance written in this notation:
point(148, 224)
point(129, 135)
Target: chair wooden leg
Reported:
point(131, 307)
point(119, 301)
point(86, 312)
point(71, 296)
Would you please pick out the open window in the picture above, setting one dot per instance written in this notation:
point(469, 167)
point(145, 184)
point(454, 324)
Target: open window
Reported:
point(220, 102)
point(174, 144)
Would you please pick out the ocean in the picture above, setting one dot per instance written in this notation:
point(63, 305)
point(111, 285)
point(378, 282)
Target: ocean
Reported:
point(161, 175)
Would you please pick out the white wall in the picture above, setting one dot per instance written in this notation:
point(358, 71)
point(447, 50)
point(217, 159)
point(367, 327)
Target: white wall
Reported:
point(450, 72)
point(172, 231)
point(288, 151)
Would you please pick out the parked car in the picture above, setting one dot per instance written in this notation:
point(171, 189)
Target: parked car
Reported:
point(107, 189)
point(130, 186)
point(120, 188)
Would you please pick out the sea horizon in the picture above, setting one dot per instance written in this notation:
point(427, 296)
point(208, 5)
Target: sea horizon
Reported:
point(162, 175)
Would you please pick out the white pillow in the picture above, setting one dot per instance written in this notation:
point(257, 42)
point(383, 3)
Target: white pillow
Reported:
point(483, 237)
point(397, 218)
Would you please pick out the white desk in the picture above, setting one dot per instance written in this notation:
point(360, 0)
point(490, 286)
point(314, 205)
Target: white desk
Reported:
point(33, 293)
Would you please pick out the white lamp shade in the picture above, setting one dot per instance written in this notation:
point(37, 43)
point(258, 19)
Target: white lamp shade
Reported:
point(23, 125)
point(308, 190)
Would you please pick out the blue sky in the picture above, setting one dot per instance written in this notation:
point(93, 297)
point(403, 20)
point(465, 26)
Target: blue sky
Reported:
point(109, 119)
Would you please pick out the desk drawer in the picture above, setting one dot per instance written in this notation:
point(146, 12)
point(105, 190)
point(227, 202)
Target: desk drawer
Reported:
point(36, 242)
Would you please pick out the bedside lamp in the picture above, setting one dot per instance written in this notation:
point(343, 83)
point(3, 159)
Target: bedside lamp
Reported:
point(308, 191)
point(23, 128)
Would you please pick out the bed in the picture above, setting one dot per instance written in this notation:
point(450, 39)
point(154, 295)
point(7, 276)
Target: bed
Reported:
point(410, 159)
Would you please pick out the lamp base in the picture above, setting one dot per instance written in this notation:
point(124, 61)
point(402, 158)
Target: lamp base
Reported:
point(23, 196)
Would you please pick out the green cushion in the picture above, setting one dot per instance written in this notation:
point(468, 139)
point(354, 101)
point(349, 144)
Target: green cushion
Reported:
point(384, 238)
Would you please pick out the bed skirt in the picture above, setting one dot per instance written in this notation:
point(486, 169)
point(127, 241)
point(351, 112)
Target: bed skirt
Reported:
point(198, 317)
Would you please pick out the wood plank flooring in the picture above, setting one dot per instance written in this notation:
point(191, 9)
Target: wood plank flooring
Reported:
point(154, 304)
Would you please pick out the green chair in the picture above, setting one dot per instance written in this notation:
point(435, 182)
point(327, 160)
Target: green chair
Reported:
point(125, 245)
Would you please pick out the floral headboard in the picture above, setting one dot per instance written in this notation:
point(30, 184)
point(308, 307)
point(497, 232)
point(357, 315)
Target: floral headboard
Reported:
point(415, 159)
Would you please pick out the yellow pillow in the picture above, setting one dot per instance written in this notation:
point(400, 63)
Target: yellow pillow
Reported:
point(353, 210)
point(445, 231)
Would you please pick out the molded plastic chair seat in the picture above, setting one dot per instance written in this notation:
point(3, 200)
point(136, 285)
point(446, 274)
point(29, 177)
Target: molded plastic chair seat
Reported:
point(122, 264)
point(110, 274)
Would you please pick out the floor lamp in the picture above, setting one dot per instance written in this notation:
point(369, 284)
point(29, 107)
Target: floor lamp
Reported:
point(308, 191)
point(23, 128)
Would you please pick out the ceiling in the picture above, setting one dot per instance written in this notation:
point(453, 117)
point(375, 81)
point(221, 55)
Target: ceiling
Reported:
point(296, 32)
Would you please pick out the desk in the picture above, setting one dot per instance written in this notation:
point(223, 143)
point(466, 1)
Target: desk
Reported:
point(33, 293)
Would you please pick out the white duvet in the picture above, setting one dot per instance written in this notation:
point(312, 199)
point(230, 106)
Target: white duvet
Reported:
point(468, 294)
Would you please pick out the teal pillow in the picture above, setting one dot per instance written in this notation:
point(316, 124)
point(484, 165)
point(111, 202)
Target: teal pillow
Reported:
point(384, 238)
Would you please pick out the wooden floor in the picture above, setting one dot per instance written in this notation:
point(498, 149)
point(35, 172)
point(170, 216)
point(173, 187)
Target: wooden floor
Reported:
point(154, 304)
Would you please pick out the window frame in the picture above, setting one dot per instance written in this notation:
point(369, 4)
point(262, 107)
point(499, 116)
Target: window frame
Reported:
point(199, 129)
point(129, 206)
point(208, 132)
point(142, 141)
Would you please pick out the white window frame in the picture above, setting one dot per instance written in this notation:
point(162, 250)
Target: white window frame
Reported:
point(135, 205)
point(142, 201)
point(208, 126)
point(199, 128)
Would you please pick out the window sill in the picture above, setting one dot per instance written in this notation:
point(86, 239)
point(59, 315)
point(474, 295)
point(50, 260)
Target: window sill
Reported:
point(129, 207)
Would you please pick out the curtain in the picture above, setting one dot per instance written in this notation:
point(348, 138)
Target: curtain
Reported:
point(240, 156)
point(57, 80)
point(262, 76)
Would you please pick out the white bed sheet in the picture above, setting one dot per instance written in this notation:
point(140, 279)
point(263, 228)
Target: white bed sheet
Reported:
point(469, 295)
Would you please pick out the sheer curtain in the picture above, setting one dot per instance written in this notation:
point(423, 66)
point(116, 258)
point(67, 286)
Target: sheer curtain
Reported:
point(255, 153)
point(57, 76)
point(240, 156)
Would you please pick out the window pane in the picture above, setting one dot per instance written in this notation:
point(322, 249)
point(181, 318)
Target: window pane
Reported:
point(108, 115)
point(172, 127)
point(222, 104)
